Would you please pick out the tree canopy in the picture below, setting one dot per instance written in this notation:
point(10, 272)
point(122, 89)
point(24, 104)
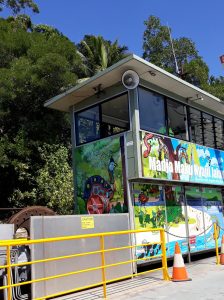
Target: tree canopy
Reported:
point(181, 58)
point(38, 62)
point(34, 67)
point(17, 5)
point(98, 54)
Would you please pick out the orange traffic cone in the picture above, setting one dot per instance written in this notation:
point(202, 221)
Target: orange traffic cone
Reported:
point(179, 270)
point(222, 252)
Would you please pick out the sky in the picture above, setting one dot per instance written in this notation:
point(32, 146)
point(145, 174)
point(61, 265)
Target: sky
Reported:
point(200, 20)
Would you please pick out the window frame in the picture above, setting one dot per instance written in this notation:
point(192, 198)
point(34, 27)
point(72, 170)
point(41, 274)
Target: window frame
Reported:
point(214, 117)
point(164, 105)
point(99, 105)
point(188, 119)
point(186, 115)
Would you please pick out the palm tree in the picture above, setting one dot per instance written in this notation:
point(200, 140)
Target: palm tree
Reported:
point(97, 54)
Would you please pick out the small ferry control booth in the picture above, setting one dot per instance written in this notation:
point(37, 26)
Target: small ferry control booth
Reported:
point(151, 145)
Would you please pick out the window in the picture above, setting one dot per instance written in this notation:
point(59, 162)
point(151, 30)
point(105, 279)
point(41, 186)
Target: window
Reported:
point(115, 116)
point(102, 120)
point(88, 125)
point(219, 133)
point(176, 120)
point(152, 111)
point(208, 130)
point(166, 116)
point(195, 126)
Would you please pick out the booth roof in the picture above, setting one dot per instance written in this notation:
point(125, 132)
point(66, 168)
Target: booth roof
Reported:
point(113, 74)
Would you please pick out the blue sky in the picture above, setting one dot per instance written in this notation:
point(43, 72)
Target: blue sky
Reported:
point(200, 20)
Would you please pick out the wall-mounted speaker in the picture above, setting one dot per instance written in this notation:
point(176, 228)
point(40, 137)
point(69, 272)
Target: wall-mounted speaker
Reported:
point(130, 79)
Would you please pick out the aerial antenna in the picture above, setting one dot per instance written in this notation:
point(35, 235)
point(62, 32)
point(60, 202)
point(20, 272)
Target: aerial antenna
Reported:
point(174, 55)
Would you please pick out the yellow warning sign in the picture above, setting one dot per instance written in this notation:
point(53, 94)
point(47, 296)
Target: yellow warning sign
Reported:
point(87, 222)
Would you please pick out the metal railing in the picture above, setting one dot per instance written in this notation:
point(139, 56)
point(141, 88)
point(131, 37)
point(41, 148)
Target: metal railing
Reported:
point(102, 251)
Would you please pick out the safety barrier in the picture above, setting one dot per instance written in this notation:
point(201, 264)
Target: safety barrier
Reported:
point(9, 265)
point(217, 228)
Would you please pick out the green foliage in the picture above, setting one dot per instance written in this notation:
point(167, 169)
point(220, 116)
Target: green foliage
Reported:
point(196, 71)
point(215, 87)
point(52, 183)
point(38, 62)
point(158, 50)
point(153, 219)
point(98, 54)
point(34, 67)
point(81, 206)
point(55, 180)
point(174, 214)
point(48, 31)
point(17, 5)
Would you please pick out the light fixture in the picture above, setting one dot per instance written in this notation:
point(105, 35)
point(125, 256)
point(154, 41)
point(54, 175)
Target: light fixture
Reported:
point(152, 73)
point(98, 90)
point(198, 98)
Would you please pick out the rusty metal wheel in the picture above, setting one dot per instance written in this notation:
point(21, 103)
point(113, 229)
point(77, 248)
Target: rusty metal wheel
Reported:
point(22, 218)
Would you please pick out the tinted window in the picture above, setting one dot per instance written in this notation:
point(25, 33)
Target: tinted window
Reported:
point(219, 133)
point(208, 130)
point(115, 116)
point(109, 118)
point(195, 126)
point(88, 125)
point(152, 112)
point(176, 120)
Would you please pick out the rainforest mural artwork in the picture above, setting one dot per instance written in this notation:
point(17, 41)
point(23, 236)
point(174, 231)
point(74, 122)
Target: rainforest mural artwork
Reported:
point(99, 174)
point(191, 211)
point(158, 207)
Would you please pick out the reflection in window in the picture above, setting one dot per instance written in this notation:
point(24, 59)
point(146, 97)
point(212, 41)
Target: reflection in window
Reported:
point(195, 126)
point(152, 111)
point(115, 116)
point(88, 125)
point(176, 120)
point(219, 133)
point(208, 130)
point(103, 120)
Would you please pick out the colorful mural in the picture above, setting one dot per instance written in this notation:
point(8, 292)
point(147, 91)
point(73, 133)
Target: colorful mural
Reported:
point(99, 177)
point(205, 207)
point(189, 223)
point(173, 159)
point(149, 212)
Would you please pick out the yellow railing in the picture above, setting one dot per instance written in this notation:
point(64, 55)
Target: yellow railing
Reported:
point(9, 265)
point(216, 237)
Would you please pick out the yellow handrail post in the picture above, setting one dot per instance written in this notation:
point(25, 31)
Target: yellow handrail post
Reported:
point(216, 244)
point(103, 266)
point(8, 258)
point(100, 251)
point(164, 259)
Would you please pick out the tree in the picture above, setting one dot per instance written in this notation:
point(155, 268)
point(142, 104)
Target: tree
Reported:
point(55, 180)
point(17, 5)
point(158, 50)
point(215, 86)
point(98, 54)
point(37, 63)
point(48, 31)
point(34, 67)
point(53, 183)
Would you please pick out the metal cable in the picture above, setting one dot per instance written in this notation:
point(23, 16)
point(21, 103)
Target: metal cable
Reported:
point(188, 237)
